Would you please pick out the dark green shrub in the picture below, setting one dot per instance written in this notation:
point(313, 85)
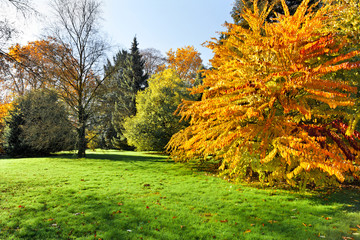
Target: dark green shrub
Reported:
point(38, 125)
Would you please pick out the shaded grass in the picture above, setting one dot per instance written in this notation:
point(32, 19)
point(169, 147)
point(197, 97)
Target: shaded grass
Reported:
point(129, 195)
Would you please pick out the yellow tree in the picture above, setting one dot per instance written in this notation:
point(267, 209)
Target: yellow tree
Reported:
point(268, 96)
point(185, 61)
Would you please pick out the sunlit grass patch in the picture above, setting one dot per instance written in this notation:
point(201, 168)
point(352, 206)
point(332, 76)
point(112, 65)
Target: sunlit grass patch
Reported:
point(128, 195)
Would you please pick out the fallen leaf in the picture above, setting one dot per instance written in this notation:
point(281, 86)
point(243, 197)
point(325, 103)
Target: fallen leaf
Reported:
point(247, 231)
point(174, 217)
point(120, 204)
point(224, 221)
point(354, 229)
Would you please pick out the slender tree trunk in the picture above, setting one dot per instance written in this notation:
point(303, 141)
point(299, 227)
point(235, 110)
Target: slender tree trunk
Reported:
point(81, 133)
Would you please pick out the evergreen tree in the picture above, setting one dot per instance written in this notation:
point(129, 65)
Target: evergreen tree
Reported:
point(137, 64)
point(108, 96)
point(134, 79)
point(126, 78)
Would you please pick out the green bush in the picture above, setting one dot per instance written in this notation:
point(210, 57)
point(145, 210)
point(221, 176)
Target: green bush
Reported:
point(154, 123)
point(37, 125)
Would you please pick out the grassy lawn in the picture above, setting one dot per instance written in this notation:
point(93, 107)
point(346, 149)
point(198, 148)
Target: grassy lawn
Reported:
point(127, 195)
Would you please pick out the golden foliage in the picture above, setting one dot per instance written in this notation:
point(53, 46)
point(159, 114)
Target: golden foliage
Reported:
point(268, 95)
point(185, 61)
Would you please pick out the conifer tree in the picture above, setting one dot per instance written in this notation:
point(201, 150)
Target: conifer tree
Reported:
point(108, 96)
point(127, 77)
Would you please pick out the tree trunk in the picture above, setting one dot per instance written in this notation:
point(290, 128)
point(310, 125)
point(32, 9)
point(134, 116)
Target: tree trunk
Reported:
point(81, 133)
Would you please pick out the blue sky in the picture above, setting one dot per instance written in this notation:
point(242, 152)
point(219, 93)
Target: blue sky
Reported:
point(165, 24)
point(159, 24)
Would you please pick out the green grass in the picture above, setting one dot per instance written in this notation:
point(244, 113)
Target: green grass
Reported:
point(127, 195)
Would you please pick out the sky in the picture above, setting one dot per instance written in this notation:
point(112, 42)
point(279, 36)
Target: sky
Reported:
point(159, 24)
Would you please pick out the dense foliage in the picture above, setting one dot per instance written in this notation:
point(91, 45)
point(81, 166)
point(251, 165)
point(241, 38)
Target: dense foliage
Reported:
point(271, 108)
point(38, 124)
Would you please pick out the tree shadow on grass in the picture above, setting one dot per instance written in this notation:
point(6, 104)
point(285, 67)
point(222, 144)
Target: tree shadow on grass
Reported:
point(349, 197)
point(119, 156)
